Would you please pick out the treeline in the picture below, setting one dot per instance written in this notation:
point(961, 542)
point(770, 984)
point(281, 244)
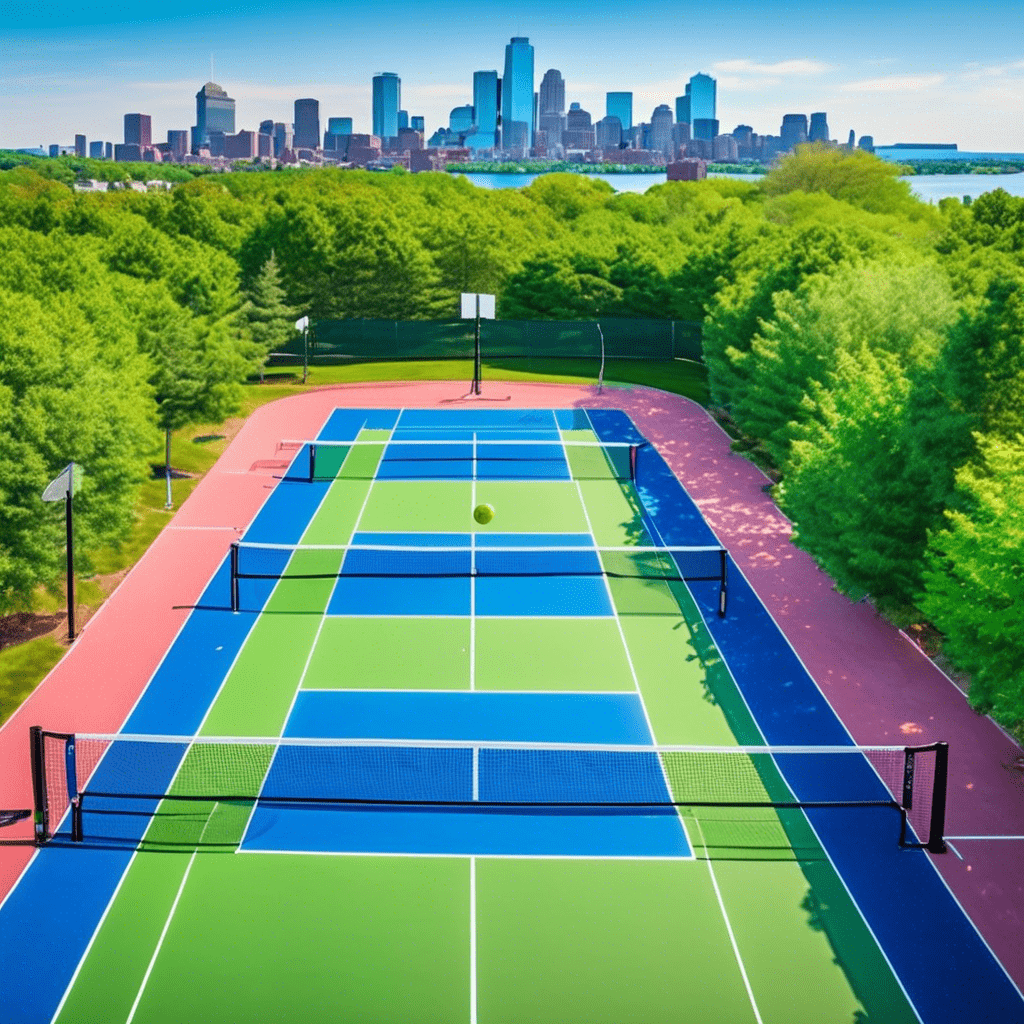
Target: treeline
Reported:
point(866, 346)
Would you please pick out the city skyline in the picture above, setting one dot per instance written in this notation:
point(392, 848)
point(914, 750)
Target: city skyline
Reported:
point(906, 76)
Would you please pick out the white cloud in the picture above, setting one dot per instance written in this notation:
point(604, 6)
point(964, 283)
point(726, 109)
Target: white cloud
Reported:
point(744, 85)
point(895, 83)
point(782, 67)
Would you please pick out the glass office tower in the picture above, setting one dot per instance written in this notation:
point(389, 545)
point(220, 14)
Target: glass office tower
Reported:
point(517, 97)
point(701, 90)
point(307, 124)
point(215, 111)
point(485, 110)
point(620, 105)
point(387, 101)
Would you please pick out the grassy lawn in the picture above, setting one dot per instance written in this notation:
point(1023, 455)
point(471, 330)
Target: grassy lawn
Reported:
point(196, 448)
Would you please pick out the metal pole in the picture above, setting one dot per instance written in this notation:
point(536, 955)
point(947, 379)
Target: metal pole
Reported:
point(69, 526)
point(600, 373)
point(477, 369)
point(305, 354)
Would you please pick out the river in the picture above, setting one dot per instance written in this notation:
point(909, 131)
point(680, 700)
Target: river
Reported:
point(928, 187)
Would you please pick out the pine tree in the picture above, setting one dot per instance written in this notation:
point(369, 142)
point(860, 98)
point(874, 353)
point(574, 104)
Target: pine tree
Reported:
point(267, 318)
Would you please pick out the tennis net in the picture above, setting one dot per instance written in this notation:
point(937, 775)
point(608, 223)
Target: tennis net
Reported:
point(258, 561)
point(73, 772)
point(466, 459)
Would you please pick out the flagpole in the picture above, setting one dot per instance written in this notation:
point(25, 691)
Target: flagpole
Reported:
point(68, 522)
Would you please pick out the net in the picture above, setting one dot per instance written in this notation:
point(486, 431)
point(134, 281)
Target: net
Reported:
point(258, 561)
point(467, 459)
point(74, 770)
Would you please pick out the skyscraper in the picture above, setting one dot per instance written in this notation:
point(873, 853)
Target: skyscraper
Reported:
point(683, 108)
point(702, 90)
point(608, 133)
point(517, 97)
point(387, 101)
point(307, 124)
point(620, 105)
point(819, 128)
point(579, 129)
point(794, 130)
point(661, 130)
point(403, 119)
point(485, 110)
point(79, 145)
point(138, 130)
point(417, 123)
point(551, 108)
point(215, 111)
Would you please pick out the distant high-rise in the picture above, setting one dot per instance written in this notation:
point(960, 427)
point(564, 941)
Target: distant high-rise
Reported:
point(460, 120)
point(339, 125)
point(403, 119)
point(683, 108)
point(620, 105)
point(215, 111)
point(701, 90)
point(307, 124)
point(387, 101)
point(579, 129)
point(517, 96)
point(284, 137)
point(417, 124)
point(485, 110)
point(79, 145)
point(96, 150)
point(661, 130)
point(177, 144)
point(551, 108)
point(818, 131)
point(793, 131)
point(704, 128)
point(867, 143)
point(608, 133)
point(138, 130)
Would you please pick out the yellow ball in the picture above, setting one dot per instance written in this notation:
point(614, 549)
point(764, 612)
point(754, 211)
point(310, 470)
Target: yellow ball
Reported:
point(483, 514)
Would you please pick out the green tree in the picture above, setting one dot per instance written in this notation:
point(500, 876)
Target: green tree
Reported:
point(66, 394)
point(196, 373)
point(974, 581)
point(268, 320)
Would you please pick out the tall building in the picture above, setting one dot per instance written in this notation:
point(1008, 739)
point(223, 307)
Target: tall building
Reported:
point(403, 119)
point(517, 124)
point(96, 150)
point(551, 108)
point(215, 111)
point(339, 125)
point(417, 123)
point(608, 133)
point(387, 101)
point(79, 145)
point(284, 137)
point(704, 128)
point(460, 120)
point(307, 124)
point(661, 131)
point(138, 130)
point(579, 129)
point(177, 144)
point(683, 108)
point(793, 131)
point(620, 105)
point(485, 110)
point(702, 91)
point(818, 131)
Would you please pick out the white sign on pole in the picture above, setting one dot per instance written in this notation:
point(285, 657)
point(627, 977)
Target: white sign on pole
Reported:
point(301, 325)
point(69, 480)
point(470, 310)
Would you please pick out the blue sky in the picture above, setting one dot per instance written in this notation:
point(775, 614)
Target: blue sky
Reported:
point(934, 72)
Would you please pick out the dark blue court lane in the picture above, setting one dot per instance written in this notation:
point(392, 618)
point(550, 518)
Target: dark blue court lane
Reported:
point(478, 419)
point(470, 715)
point(467, 831)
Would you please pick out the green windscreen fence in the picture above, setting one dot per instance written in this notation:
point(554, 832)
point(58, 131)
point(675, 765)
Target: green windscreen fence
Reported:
point(379, 340)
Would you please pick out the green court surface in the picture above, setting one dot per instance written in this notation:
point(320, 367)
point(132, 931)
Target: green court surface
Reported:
point(755, 926)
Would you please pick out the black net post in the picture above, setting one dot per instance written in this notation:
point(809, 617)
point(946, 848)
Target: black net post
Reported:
point(936, 844)
point(312, 463)
point(41, 815)
point(234, 577)
point(723, 589)
point(477, 361)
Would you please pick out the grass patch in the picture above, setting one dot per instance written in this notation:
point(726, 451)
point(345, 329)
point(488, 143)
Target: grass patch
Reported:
point(21, 669)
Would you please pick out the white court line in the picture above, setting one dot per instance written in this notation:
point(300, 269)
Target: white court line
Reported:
point(728, 924)
point(461, 856)
point(472, 940)
point(316, 639)
point(431, 689)
point(170, 917)
point(959, 838)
